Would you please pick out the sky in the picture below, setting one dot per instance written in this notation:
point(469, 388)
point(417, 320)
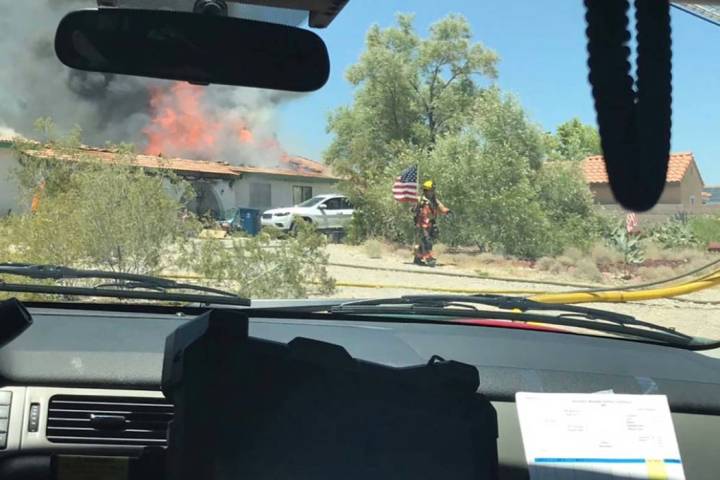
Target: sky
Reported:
point(541, 45)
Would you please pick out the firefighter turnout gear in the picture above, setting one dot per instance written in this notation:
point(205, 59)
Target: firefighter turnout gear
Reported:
point(427, 209)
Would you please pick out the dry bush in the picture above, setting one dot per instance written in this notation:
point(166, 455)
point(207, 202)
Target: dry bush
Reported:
point(604, 256)
point(586, 268)
point(566, 261)
point(373, 248)
point(261, 266)
point(574, 254)
point(550, 265)
point(545, 263)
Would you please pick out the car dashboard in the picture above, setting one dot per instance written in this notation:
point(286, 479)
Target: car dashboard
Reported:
point(70, 375)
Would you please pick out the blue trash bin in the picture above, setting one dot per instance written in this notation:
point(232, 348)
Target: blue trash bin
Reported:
point(249, 220)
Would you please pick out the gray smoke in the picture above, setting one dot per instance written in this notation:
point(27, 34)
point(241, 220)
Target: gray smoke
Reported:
point(110, 108)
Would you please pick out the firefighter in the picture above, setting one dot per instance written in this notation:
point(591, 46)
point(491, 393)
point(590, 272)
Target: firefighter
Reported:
point(426, 212)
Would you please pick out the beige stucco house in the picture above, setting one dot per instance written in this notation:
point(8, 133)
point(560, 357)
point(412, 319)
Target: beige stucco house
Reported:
point(683, 188)
point(220, 187)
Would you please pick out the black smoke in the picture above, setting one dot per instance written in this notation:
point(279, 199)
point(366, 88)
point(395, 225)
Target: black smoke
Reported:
point(108, 108)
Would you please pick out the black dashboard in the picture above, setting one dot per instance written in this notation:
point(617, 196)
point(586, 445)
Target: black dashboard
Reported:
point(93, 359)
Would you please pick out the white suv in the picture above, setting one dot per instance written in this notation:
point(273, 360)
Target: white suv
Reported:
point(326, 212)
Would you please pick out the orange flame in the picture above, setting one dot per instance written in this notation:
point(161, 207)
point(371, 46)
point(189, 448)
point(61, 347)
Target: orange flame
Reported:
point(183, 125)
point(179, 124)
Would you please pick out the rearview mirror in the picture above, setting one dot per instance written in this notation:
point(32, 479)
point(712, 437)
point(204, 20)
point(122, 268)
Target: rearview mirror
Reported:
point(322, 206)
point(193, 47)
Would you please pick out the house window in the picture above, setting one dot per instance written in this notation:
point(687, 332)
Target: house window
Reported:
point(692, 200)
point(301, 193)
point(260, 195)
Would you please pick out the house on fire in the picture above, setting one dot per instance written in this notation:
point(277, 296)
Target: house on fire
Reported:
point(220, 187)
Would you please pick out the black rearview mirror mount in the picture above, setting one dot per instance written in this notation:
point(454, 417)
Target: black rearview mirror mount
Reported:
point(196, 48)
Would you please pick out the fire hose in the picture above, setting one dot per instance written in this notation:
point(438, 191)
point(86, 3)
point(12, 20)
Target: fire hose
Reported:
point(631, 293)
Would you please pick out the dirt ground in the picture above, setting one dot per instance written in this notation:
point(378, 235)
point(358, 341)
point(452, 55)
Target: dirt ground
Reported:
point(479, 275)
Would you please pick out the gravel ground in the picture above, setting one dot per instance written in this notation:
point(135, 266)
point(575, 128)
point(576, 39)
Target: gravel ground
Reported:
point(690, 318)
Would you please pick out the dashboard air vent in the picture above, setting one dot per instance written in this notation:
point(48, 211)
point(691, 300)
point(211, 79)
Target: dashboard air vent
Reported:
point(108, 420)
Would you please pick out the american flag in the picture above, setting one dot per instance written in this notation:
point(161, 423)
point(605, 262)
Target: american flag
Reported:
point(631, 221)
point(405, 188)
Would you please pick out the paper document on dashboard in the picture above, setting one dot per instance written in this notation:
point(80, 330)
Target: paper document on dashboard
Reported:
point(598, 436)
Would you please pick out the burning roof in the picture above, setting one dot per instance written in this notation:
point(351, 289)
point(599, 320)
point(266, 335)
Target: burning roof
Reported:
point(296, 166)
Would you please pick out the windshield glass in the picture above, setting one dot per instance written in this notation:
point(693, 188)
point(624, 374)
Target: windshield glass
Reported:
point(463, 135)
point(311, 202)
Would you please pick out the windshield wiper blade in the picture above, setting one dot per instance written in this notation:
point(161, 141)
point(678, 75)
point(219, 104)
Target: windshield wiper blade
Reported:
point(520, 309)
point(124, 285)
point(449, 316)
point(503, 302)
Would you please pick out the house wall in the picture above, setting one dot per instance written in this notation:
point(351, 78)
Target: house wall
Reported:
point(672, 194)
point(691, 189)
point(281, 190)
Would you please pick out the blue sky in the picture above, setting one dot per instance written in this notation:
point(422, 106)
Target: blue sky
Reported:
point(542, 61)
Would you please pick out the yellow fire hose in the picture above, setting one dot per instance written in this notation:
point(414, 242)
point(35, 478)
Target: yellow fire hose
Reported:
point(607, 296)
point(618, 296)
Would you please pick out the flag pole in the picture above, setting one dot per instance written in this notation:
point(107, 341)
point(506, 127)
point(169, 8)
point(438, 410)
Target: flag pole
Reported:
point(416, 240)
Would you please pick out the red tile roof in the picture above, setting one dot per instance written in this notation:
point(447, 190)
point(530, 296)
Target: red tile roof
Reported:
point(595, 172)
point(298, 166)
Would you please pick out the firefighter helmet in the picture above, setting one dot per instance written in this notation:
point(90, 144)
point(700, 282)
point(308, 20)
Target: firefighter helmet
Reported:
point(427, 185)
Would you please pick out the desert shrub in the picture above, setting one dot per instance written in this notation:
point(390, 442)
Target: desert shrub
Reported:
point(629, 246)
point(585, 268)
point(545, 263)
point(565, 261)
point(263, 267)
point(98, 215)
point(673, 233)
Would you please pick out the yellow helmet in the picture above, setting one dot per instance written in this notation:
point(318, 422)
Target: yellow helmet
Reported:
point(427, 185)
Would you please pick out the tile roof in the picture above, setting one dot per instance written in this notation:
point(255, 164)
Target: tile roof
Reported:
point(595, 172)
point(297, 166)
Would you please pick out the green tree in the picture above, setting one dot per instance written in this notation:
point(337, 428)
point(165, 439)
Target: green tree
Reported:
point(409, 91)
point(504, 197)
point(573, 141)
point(428, 101)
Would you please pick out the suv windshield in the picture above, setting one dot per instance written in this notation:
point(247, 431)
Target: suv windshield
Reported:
point(311, 202)
point(458, 140)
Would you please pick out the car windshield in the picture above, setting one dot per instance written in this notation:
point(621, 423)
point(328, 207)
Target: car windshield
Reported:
point(464, 135)
point(311, 202)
